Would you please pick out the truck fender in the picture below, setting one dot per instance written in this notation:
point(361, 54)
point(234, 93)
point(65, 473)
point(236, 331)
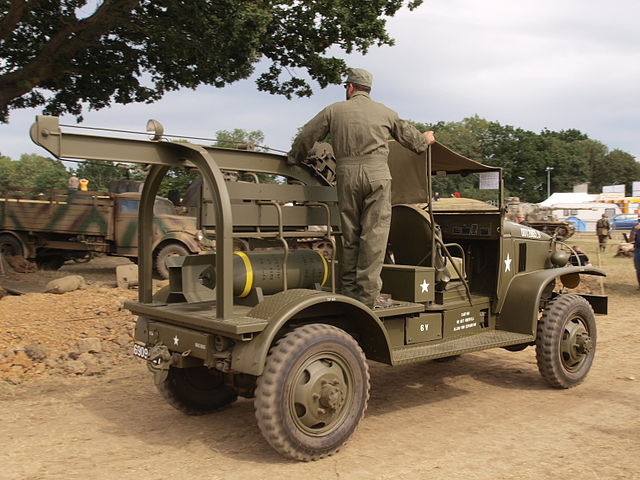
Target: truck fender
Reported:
point(525, 291)
point(189, 241)
point(310, 306)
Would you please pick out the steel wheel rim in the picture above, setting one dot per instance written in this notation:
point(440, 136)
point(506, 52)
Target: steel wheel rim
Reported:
point(575, 344)
point(320, 396)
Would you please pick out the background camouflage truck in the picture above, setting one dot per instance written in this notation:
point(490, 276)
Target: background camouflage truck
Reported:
point(59, 225)
point(272, 325)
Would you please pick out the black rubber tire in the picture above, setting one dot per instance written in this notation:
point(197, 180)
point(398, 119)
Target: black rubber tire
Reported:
point(50, 262)
point(169, 250)
point(196, 390)
point(516, 348)
point(10, 246)
point(566, 341)
point(311, 358)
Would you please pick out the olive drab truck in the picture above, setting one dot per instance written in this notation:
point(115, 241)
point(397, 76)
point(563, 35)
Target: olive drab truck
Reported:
point(272, 325)
point(58, 225)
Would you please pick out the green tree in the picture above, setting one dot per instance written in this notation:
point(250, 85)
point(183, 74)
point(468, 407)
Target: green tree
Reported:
point(239, 138)
point(615, 168)
point(6, 170)
point(524, 155)
point(33, 171)
point(100, 174)
point(136, 50)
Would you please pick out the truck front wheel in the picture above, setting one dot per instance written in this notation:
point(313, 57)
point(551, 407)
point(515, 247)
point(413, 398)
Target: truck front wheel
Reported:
point(169, 250)
point(313, 392)
point(566, 341)
point(196, 390)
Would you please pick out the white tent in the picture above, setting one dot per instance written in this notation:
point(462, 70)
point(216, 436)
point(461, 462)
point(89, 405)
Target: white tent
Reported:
point(570, 197)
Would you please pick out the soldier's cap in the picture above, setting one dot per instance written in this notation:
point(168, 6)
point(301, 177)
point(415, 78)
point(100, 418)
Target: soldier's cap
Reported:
point(360, 77)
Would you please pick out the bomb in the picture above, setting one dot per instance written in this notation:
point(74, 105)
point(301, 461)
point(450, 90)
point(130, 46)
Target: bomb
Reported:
point(305, 269)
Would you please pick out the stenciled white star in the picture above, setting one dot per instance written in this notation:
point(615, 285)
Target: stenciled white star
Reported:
point(424, 286)
point(176, 340)
point(507, 263)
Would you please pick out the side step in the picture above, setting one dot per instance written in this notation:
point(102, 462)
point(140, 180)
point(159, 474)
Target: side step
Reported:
point(472, 343)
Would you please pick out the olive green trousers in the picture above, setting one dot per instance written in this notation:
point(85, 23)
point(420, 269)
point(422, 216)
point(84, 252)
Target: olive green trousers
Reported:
point(364, 200)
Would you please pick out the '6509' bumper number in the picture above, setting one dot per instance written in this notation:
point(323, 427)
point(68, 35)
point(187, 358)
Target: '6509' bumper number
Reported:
point(140, 351)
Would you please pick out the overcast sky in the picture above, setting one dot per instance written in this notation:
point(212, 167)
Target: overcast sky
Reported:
point(557, 64)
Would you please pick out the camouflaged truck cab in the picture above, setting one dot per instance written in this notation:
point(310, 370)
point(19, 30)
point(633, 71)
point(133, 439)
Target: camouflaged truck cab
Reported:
point(271, 324)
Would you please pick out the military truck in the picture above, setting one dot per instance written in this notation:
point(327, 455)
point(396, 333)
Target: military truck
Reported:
point(273, 326)
point(538, 217)
point(60, 225)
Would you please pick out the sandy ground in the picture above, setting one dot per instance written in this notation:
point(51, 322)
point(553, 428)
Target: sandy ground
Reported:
point(487, 415)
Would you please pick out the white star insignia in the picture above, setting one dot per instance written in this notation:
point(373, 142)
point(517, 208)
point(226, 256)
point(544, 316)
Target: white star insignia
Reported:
point(507, 263)
point(176, 340)
point(424, 286)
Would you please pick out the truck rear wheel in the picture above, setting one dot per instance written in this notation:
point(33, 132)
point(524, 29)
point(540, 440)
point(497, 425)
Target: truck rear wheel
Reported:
point(196, 391)
point(566, 341)
point(10, 246)
point(169, 250)
point(313, 392)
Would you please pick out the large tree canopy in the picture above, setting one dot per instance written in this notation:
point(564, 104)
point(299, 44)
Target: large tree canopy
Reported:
point(52, 54)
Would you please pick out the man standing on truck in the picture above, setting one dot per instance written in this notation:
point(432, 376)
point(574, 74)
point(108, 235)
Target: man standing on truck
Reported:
point(359, 129)
point(602, 230)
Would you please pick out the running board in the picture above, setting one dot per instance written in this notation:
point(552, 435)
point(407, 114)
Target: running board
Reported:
point(472, 343)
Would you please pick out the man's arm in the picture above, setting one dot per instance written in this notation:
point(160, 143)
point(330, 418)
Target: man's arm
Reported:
point(316, 129)
point(408, 136)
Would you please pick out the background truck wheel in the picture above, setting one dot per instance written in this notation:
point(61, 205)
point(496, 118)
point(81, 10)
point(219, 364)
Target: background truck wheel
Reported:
point(169, 250)
point(566, 341)
point(10, 246)
point(313, 392)
point(49, 262)
point(196, 391)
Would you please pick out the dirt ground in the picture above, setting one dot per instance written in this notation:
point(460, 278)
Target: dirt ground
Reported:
point(486, 415)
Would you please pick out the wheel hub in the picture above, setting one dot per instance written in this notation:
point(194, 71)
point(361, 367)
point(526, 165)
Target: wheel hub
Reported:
point(319, 395)
point(332, 395)
point(576, 344)
point(584, 344)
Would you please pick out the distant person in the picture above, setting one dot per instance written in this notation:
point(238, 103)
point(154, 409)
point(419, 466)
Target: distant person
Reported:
point(455, 195)
point(635, 239)
point(73, 183)
point(84, 184)
point(579, 259)
point(436, 196)
point(602, 230)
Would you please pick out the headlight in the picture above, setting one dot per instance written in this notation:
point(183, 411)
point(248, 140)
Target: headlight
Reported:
point(559, 258)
